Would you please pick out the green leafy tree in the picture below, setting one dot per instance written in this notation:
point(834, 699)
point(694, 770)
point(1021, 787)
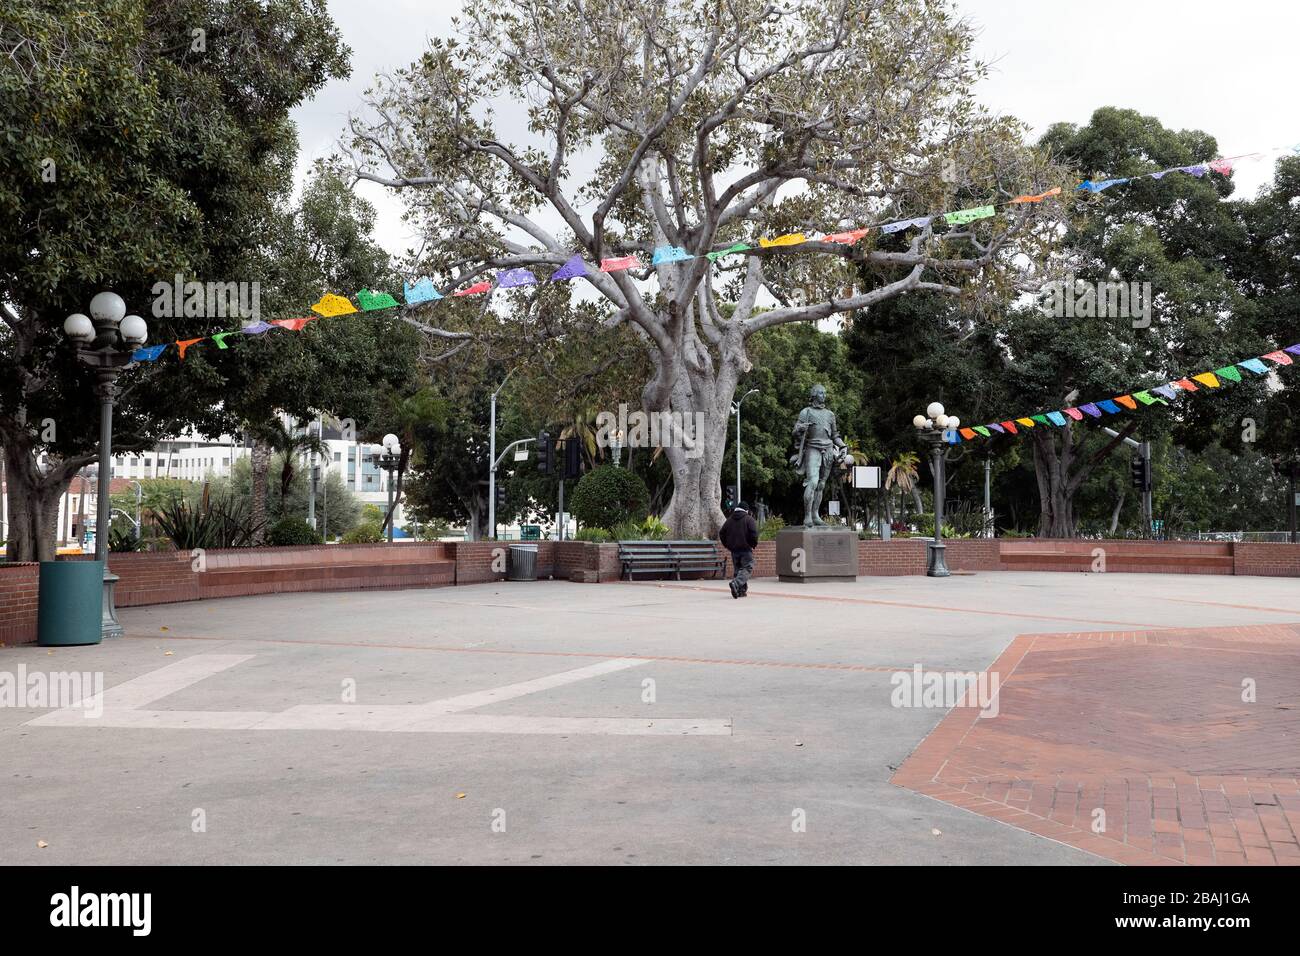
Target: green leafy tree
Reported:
point(136, 149)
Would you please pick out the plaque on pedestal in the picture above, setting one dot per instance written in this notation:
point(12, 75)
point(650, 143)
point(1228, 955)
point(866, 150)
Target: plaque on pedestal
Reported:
point(819, 553)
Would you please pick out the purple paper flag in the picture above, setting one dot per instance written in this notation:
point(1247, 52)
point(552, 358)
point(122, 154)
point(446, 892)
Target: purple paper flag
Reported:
point(514, 278)
point(1091, 409)
point(575, 268)
point(1168, 391)
point(997, 428)
point(257, 328)
point(1293, 349)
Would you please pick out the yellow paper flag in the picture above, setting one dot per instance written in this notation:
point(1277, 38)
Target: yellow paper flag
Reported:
point(1027, 422)
point(1207, 378)
point(331, 304)
point(789, 239)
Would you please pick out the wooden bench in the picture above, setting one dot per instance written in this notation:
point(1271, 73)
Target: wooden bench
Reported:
point(1121, 555)
point(669, 557)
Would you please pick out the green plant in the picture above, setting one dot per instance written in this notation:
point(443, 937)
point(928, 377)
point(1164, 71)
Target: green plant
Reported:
point(592, 534)
point(365, 533)
point(768, 529)
point(123, 540)
point(292, 531)
point(223, 525)
point(609, 496)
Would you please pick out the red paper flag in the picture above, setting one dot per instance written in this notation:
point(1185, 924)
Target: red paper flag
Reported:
point(1010, 426)
point(1186, 385)
point(293, 325)
point(618, 265)
point(478, 288)
point(1281, 358)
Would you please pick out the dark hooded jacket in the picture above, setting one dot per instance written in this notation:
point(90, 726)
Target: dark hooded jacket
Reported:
point(739, 532)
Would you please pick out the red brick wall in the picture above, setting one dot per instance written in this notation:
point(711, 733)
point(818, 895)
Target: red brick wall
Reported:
point(153, 578)
point(1275, 560)
point(18, 603)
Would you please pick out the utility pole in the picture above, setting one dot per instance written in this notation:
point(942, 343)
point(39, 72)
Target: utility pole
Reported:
point(492, 457)
point(735, 406)
point(988, 501)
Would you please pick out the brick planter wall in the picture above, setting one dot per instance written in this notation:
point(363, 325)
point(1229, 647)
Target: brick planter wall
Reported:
point(18, 584)
point(1274, 560)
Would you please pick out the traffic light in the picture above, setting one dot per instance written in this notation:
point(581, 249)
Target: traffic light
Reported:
point(501, 498)
point(729, 498)
point(572, 459)
point(545, 454)
point(1140, 469)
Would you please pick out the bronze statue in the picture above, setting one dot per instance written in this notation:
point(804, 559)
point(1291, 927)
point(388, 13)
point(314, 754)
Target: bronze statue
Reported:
point(820, 448)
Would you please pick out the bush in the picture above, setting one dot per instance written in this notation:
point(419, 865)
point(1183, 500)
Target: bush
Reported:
point(220, 525)
point(364, 533)
point(592, 534)
point(609, 496)
point(769, 528)
point(292, 531)
point(651, 529)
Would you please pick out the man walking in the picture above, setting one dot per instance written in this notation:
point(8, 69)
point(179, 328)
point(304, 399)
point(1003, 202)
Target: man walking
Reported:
point(739, 535)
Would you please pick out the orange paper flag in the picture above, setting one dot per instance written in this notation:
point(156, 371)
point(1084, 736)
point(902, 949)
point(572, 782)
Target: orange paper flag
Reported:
point(1127, 401)
point(1039, 198)
point(183, 345)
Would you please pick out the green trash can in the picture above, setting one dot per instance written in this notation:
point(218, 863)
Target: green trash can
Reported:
point(70, 603)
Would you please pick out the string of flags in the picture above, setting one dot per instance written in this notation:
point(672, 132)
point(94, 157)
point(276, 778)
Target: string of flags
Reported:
point(423, 290)
point(1157, 395)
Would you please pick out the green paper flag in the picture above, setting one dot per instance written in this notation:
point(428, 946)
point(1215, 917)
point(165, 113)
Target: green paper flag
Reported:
point(375, 300)
point(220, 339)
point(1041, 419)
point(1144, 397)
point(982, 430)
point(1229, 372)
point(730, 250)
point(967, 215)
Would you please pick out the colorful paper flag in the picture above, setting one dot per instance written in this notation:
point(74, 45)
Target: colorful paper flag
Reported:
point(573, 268)
point(293, 325)
point(257, 328)
point(149, 353)
point(1041, 419)
point(1229, 372)
point(997, 428)
point(1091, 409)
point(478, 288)
point(375, 300)
point(331, 305)
point(962, 216)
point(1208, 379)
point(846, 238)
point(1186, 385)
point(1074, 413)
point(1027, 422)
point(1254, 365)
point(1280, 357)
point(1055, 191)
point(967, 432)
point(619, 264)
point(1109, 407)
point(789, 239)
point(1089, 186)
point(1056, 418)
point(184, 344)
point(982, 430)
point(422, 291)
point(220, 338)
point(1222, 166)
point(1010, 426)
point(670, 254)
point(902, 224)
point(730, 250)
point(1168, 391)
point(514, 278)
point(1127, 402)
point(1144, 397)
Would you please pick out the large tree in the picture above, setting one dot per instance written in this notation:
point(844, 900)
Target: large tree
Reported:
point(144, 139)
point(700, 124)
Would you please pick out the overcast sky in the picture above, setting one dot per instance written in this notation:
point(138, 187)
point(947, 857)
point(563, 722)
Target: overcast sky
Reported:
point(1225, 68)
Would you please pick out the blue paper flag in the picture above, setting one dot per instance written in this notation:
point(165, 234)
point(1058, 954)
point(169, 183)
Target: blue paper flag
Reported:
point(1109, 407)
point(670, 254)
point(1056, 418)
point(422, 291)
point(148, 354)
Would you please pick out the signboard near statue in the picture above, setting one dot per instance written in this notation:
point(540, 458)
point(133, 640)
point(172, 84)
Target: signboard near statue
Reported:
point(815, 550)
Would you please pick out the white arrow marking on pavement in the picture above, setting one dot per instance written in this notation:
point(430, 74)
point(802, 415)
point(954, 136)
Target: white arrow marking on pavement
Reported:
point(123, 706)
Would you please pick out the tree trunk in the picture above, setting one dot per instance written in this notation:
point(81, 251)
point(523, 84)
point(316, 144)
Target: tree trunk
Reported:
point(260, 460)
point(1119, 505)
point(1055, 495)
point(33, 504)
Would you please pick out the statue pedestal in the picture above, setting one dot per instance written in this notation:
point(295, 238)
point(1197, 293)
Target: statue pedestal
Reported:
point(819, 553)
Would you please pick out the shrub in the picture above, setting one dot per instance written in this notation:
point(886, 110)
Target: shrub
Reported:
point(769, 528)
point(651, 529)
point(291, 531)
point(609, 496)
point(221, 525)
point(364, 533)
point(592, 534)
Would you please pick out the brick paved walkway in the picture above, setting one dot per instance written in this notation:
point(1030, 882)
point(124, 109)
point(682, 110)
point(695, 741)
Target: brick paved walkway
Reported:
point(1144, 732)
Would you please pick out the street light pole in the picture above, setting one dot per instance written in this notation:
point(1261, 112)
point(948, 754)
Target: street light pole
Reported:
point(492, 458)
point(388, 457)
point(106, 342)
point(735, 407)
point(935, 428)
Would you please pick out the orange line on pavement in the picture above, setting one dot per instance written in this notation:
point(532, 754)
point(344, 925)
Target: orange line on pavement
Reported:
point(922, 607)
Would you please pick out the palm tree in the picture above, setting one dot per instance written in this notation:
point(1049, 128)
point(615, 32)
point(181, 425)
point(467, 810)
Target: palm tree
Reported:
point(903, 474)
point(405, 414)
point(292, 444)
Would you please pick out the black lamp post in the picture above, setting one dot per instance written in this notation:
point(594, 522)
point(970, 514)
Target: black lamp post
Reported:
point(935, 429)
point(387, 457)
point(106, 340)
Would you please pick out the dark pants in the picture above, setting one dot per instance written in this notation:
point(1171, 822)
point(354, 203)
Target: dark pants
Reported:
point(743, 563)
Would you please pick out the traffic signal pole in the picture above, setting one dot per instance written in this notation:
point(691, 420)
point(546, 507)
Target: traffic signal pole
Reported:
point(1144, 454)
point(492, 472)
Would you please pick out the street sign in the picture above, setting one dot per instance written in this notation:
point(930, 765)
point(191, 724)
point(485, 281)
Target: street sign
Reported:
point(834, 507)
point(866, 476)
point(521, 454)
